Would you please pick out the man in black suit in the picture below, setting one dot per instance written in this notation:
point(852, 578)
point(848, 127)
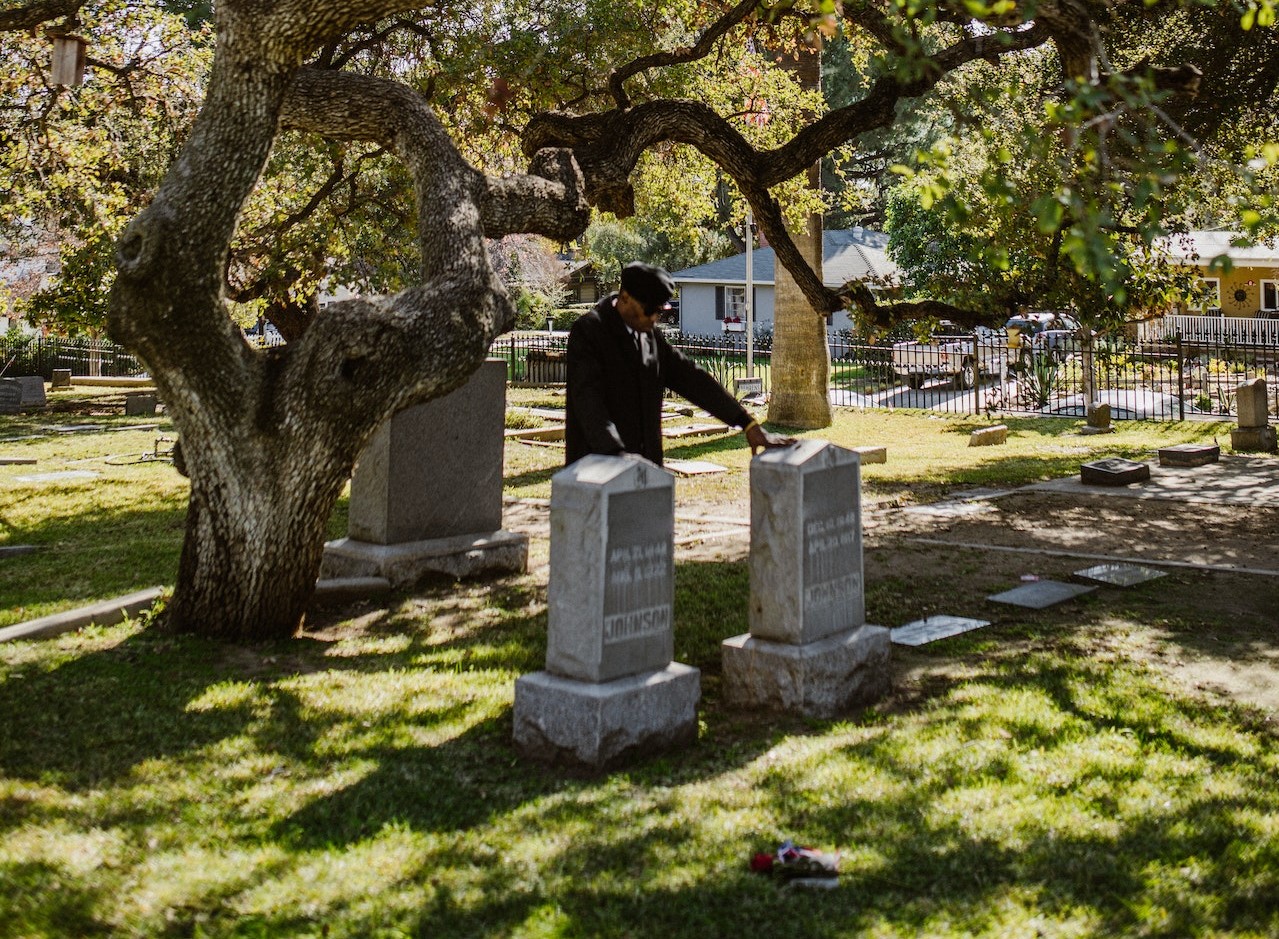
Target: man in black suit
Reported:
point(619, 366)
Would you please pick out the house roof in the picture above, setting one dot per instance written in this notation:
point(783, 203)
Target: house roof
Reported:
point(848, 254)
point(1200, 247)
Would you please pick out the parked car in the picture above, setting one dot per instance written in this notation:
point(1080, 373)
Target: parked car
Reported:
point(952, 351)
point(1047, 331)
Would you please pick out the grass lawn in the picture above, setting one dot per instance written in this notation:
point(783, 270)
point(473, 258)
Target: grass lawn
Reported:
point(1039, 779)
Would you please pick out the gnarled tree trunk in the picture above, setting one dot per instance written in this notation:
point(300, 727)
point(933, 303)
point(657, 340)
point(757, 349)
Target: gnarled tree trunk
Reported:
point(269, 436)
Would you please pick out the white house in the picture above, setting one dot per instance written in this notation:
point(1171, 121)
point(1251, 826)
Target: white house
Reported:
point(712, 294)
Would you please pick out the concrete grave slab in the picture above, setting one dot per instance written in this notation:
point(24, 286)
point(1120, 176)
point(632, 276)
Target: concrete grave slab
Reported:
point(872, 454)
point(934, 628)
point(1189, 454)
point(13, 550)
point(17, 461)
point(1236, 480)
point(1041, 594)
point(694, 467)
point(1114, 472)
point(696, 430)
point(1120, 575)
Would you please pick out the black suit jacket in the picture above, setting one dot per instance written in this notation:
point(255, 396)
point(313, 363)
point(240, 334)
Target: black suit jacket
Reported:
point(615, 400)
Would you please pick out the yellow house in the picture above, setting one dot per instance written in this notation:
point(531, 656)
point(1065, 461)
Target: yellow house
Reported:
point(1249, 288)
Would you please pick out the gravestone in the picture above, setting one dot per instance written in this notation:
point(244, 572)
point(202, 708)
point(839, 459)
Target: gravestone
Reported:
point(426, 493)
point(933, 628)
point(988, 436)
point(1119, 575)
point(610, 690)
point(1189, 454)
point(1250, 401)
point(1114, 472)
point(1097, 420)
point(140, 404)
point(1254, 433)
point(32, 391)
point(809, 649)
point(10, 396)
point(61, 378)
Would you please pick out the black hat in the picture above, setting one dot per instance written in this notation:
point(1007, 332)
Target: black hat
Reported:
point(648, 284)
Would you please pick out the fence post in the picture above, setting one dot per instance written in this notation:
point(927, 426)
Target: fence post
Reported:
point(1181, 380)
point(511, 358)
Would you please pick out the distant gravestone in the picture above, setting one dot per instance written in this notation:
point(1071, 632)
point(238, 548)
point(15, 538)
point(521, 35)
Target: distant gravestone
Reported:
point(1097, 420)
point(1120, 575)
point(1254, 433)
point(809, 649)
point(988, 436)
point(32, 391)
point(10, 396)
point(426, 493)
point(61, 378)
point(610, 690)
point(1114, 472)
point(140, 404)
point(1250, 401)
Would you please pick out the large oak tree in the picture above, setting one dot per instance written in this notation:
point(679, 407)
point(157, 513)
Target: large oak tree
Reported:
point(270, 436)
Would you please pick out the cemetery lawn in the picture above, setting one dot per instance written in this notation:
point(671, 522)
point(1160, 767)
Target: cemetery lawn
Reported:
point(1103, 767)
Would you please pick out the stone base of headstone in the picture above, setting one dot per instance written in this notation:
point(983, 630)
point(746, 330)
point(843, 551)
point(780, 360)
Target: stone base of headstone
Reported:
point(1189, 454)
point(820, 679)
point(602, 724)
point(1115, 472)
point(1089, 429)
point(139, 404)
point(1253, 439)
point(406, 563)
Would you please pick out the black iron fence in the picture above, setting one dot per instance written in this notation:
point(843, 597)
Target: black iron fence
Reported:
point(1169, 379)
point(40, 355)
point(1164, 381)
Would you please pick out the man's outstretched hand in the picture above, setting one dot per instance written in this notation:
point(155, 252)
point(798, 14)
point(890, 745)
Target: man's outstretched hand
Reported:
point(760, 439)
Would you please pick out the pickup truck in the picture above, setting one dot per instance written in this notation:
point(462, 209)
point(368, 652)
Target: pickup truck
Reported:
point(950, 353)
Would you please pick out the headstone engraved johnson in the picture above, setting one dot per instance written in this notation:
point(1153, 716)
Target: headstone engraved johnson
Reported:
point(610, 689)
point(426, 493)
point(809, 648)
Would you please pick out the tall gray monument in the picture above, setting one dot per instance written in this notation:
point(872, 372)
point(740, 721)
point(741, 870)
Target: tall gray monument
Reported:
point(426, 494)
point(809, 649)
point(610, 690)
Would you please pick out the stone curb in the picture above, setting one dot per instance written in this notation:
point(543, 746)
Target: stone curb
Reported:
point(106, 613)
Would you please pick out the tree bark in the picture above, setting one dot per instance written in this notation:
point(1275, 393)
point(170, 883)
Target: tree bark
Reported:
point(269, 436)
point(800, 394)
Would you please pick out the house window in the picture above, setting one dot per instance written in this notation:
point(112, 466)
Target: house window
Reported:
point(730, 303)
point(1270, 295)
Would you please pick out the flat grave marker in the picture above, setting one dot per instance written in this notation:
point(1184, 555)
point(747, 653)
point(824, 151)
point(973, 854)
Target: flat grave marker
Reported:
point(1189, 454)
point(933, 628)
point(1114, 472)
point(1040, 594)
point(1120, 575)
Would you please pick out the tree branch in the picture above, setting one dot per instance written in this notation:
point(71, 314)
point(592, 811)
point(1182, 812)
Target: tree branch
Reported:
point(31, 15)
